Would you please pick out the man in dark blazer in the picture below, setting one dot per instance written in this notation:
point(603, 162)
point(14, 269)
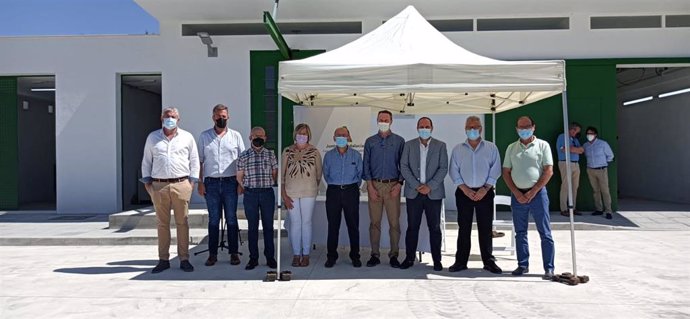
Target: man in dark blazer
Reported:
point(424, 165)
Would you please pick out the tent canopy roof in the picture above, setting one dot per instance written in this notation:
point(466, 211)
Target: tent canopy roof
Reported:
point(408, 66)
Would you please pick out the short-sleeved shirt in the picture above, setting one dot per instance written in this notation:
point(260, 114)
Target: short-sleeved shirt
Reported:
point(258, 167)
point(219, 153)
point(560, 142)
point(527, 162)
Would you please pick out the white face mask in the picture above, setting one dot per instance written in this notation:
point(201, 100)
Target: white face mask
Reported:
point(384, 127)
point(590, 137)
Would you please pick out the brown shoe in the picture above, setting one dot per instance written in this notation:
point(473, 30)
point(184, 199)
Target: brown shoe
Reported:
point(497, 234)
point(304, 262)
point(234, 259)
point(564, 213)
point(295, 261)
point(211, 260)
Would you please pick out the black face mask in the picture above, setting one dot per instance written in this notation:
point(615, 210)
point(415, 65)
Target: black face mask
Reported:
point(258, 142)
point(221, 122)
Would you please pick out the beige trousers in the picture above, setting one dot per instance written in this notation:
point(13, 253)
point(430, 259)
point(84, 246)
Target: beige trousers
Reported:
point(575, 175)
point(176, 196)
point(599, 178)
point(392, 205)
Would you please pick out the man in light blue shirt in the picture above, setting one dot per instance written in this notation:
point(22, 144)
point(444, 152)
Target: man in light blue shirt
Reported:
point(599, 155)
point(219, 148)
point(575, 151)
point(475, 165)
point(342, 170)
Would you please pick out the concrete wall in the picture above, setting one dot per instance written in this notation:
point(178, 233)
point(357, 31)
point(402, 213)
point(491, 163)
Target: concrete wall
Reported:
point(653, 140)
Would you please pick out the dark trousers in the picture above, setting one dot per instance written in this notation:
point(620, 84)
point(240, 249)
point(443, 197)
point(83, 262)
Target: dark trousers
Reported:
point(485, 218)
point(343, 199)
point(221, 197)
point(417, 206)
point(260, 203)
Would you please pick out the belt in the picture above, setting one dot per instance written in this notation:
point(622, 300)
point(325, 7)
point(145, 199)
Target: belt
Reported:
point(570, 161)
point(258, 189)
point(478, 188)
point(224, 178)
point(524, 190)
point(386, 181)
point(170, 180)
point(343, 187)
point(603, 167)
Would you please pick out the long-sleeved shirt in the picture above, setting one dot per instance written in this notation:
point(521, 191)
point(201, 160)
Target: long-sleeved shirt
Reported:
point(219, 154)
point(475, 167)
point(301, 171)
point(560, 142)
point(342, 169)
point(598, 153)
point(174, 158)
point(382, 157)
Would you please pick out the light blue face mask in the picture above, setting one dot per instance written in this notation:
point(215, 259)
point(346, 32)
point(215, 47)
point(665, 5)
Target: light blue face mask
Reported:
point(424, 133)
point(340, 141)
point(525, 133)
point(472, 134)
point(170, 123)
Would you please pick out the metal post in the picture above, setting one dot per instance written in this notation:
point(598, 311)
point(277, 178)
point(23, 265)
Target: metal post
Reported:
point(493, 137)
point(566, 136)
point(280, 169)
point(275, 10)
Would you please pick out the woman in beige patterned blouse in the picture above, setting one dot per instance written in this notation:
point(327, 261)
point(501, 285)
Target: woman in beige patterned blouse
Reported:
point(301, 178)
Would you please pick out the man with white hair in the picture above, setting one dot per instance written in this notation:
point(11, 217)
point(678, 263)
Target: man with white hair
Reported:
point(170, 168)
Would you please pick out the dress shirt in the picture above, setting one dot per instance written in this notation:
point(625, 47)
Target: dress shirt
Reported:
point(527, 162)
point(219, 154)
point(382, 157)
point(475, 167)
point(342, 169)
point(598, 153)
point(174, 158)
point(258, 167)
point(423, 151)
point(560, 142)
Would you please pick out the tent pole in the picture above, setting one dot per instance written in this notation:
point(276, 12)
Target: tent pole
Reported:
point(493, 137)
point(280, 169)
point(566, 136)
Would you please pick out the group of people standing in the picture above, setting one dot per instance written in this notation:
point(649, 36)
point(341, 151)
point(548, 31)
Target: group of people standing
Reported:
point(389, 166)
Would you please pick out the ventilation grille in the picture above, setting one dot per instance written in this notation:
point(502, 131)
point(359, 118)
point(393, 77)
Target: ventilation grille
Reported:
point(627, 22)
point(285, 28)
point(518, 24)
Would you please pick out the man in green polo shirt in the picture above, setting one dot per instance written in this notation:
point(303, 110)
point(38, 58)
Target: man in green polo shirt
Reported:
point(527, 167)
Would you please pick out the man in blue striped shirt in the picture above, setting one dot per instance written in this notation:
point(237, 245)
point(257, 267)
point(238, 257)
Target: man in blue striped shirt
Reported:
point(599, 155)
point(342, 170)
point(575, 150)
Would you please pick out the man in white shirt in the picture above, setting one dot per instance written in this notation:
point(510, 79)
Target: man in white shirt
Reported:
point(169, 168)
point(219, 148)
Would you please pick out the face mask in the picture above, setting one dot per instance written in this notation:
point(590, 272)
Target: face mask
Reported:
point(472, 134)
point(590, 137)
point(384, 127)
point(221, 122)
point(340, 141)
point(424, 133)
point(170, 123)
point(258, 142)
point(301, 139)
point(525, 133)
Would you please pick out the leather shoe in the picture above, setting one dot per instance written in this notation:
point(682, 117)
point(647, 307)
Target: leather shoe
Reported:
point(457, 267)
point(577, 213)
point(519, 271)
point(271, 263)
point(211, 260)
point(497, 234)
point(564, 213)
point(251, 264)
point(162, 265)
point(438, 266)
point(493, 268)
point(186, 266)
point(609, 216)
point(548, 275)
point(597, 213)
point(373, 261)
point(394, 262)
point(331, 262)
point(407, 264)
point(356, 263)
point(234, 259)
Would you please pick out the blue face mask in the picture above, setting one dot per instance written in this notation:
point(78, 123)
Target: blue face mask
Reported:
point(340, 141)
point(170, 123)
point(472, 134)
point(424, 133)
point(525, 133)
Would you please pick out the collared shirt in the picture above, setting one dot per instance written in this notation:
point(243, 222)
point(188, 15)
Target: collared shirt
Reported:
point(527, 162)
point(423, 151)
point(342, 169)
point(382, 157)
point(258, 167)
point(475, 167)
point(174, 158)
point(598, 153)
point(560, 143)
point(218, 153)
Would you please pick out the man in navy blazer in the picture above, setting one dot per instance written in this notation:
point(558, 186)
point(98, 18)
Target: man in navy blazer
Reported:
point(424, 165)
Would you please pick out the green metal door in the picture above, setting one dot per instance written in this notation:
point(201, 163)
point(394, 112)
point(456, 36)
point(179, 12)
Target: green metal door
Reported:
point(9, 160)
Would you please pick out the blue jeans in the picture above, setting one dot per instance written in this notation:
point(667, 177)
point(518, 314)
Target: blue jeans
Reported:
point(221, 196)
point(260, 203)
point(539, 208)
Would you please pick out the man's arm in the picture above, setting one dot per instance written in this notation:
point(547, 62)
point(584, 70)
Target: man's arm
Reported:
point(147, 162)
point(436, 181)
point(240, 177)
point(608, 152)
point(366, 171)
point(405, 169)
point(194, 166)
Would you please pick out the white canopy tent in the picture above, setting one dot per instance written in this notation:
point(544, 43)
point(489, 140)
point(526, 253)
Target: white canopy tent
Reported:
point(407, 66)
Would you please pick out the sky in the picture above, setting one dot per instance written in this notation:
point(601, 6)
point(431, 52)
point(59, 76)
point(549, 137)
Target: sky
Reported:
point(74, 17)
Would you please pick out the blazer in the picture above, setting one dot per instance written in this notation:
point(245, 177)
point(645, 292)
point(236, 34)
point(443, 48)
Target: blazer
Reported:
point(436, 168)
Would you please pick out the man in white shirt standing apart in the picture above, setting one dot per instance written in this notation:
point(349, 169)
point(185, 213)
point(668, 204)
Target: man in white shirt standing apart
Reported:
point(170, 168)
